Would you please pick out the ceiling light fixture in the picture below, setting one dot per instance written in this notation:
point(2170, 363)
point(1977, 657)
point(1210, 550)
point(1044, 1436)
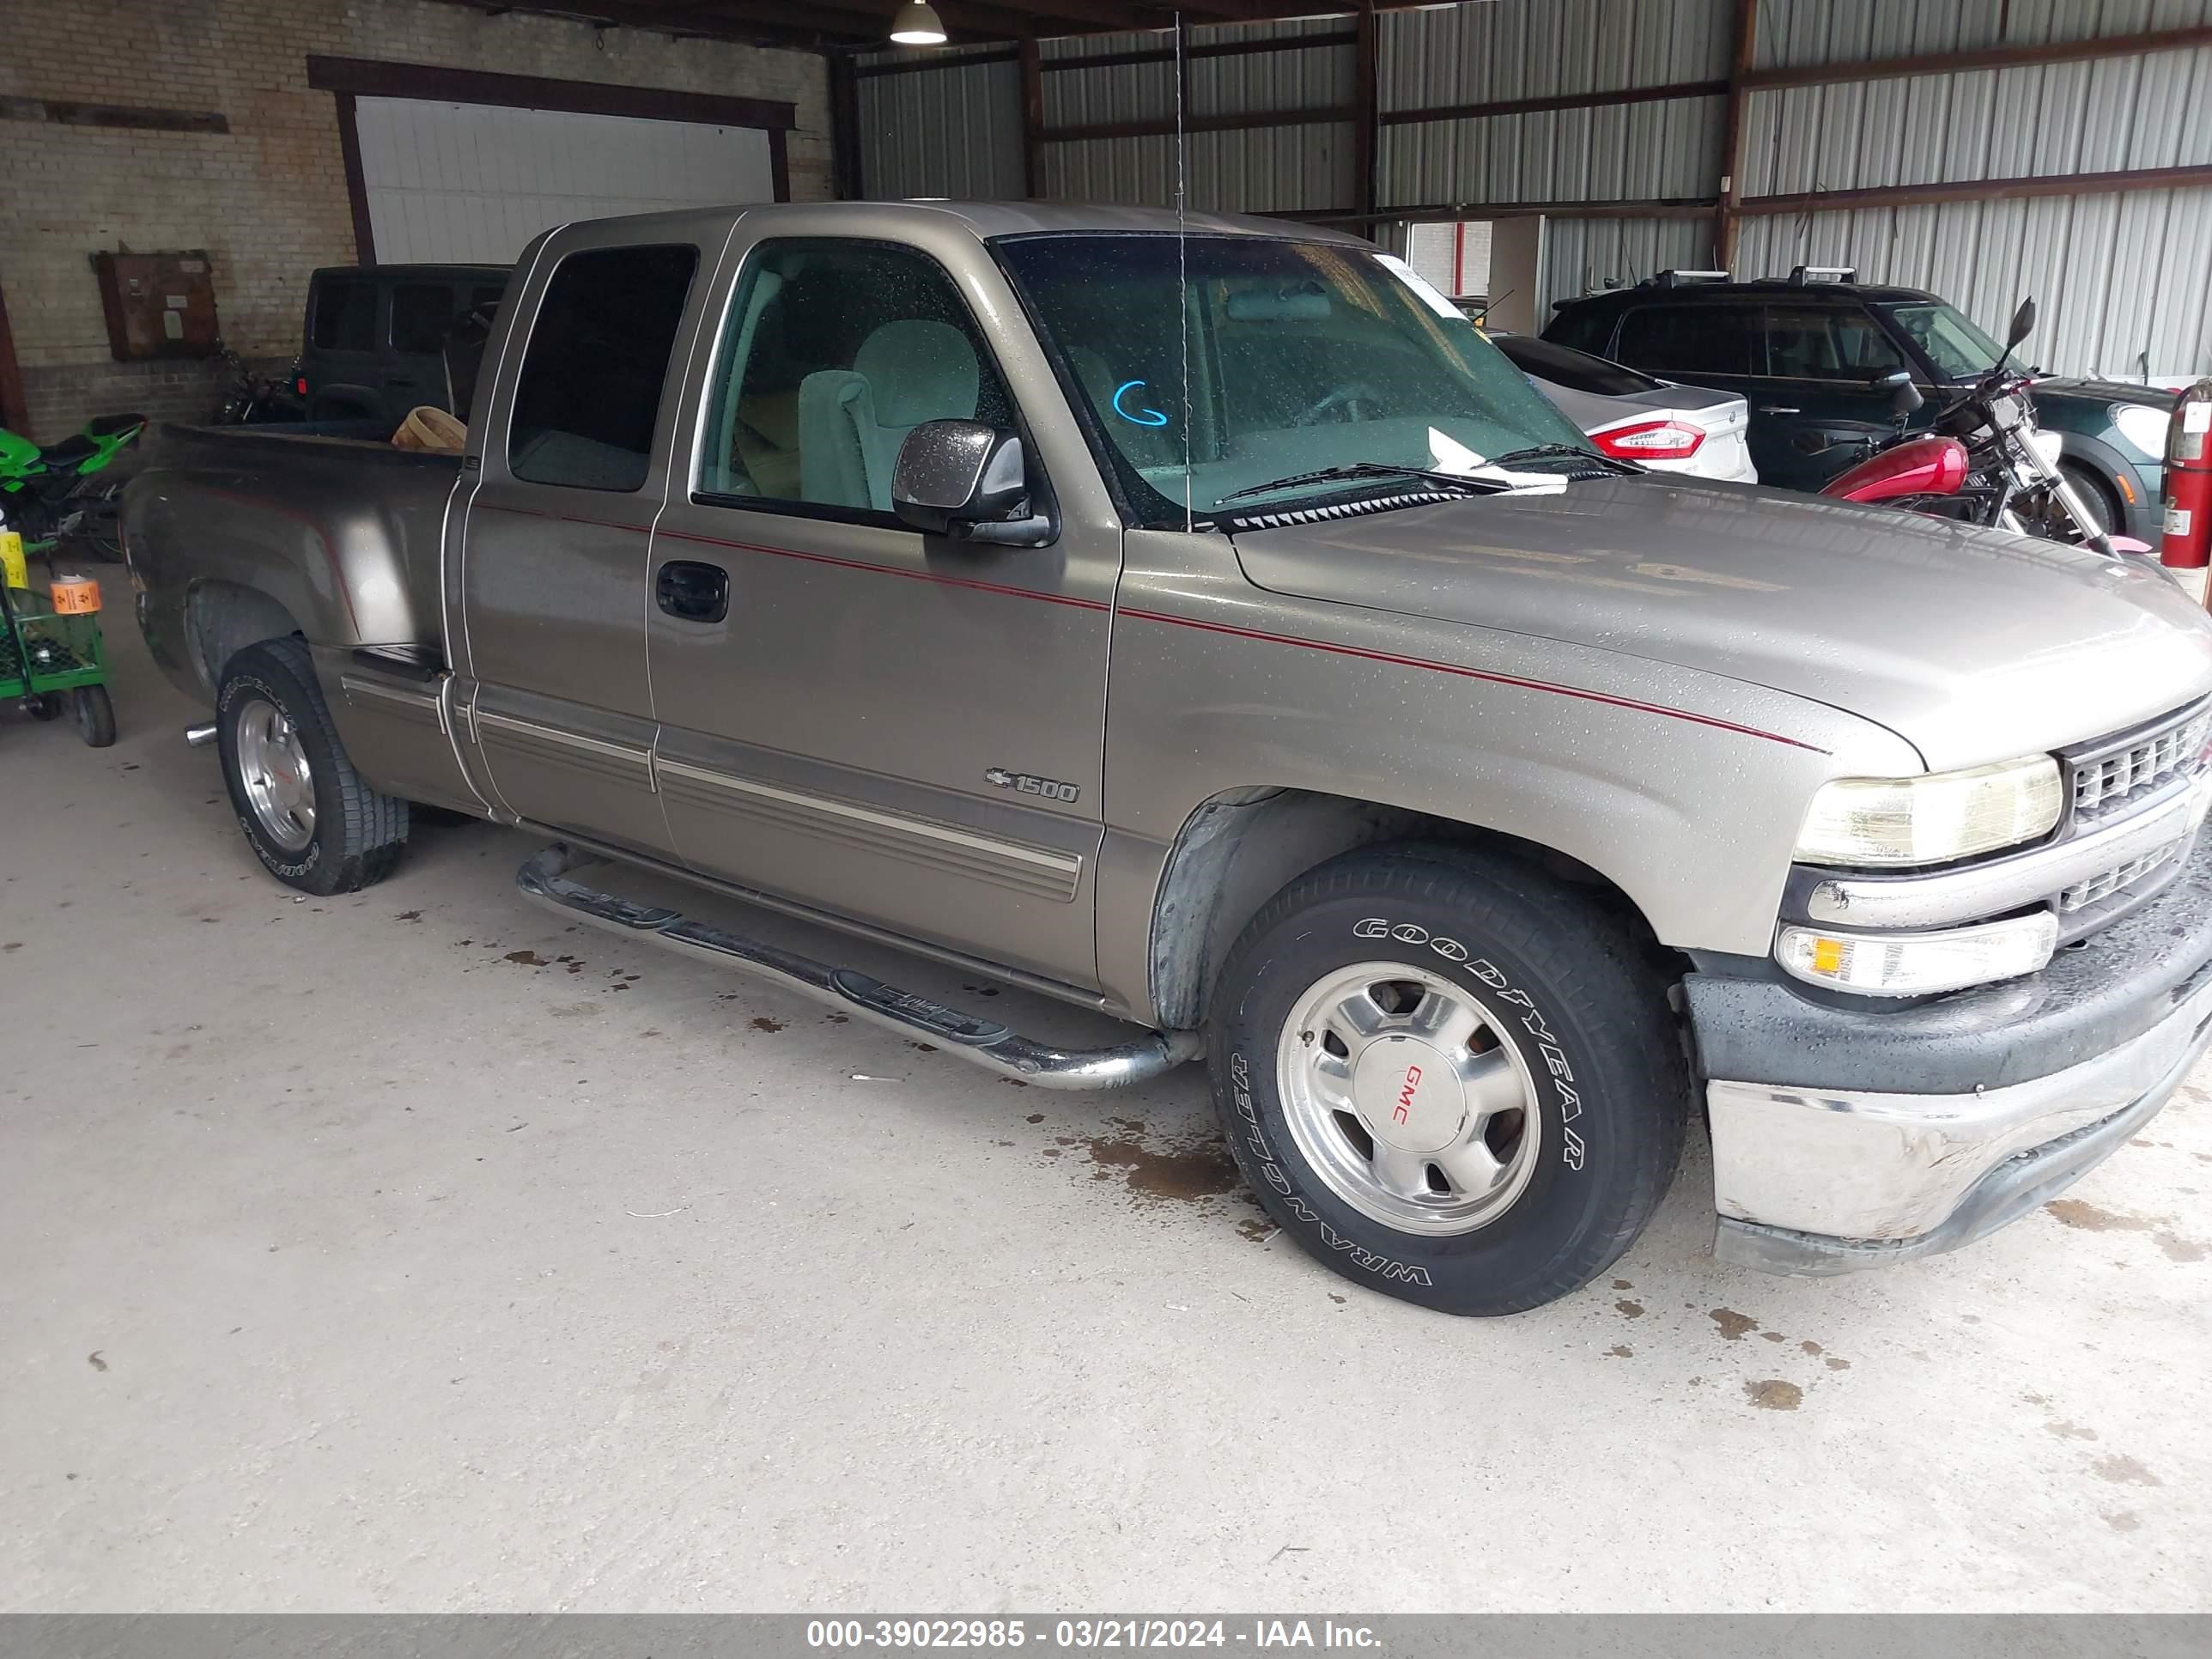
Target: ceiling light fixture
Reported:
point(914, 24)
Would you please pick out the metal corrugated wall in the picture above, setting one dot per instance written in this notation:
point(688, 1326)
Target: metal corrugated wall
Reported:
point(1482, 54)
point(951, 131)
point(2124, 281)
point(1511, 50)
point(1280, 169)
point(1804, 34)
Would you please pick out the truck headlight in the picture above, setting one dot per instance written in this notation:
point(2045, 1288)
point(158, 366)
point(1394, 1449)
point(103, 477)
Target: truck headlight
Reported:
point(1933, 819)
point(1918, 965)
point(2143, 425)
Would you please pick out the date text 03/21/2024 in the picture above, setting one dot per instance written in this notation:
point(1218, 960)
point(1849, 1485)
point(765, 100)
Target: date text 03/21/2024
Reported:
point(1087, 1633)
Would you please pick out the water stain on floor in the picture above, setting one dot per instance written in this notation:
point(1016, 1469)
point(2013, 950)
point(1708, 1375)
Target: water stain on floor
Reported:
point(763, 1022)
point(2124, 1471)
point(1774, 1395)
point(1734, 1326)
point(527, 958)
point(1630, 1310)
point(1187, 1170)
point(2074, 1213)
point(1202, 1169)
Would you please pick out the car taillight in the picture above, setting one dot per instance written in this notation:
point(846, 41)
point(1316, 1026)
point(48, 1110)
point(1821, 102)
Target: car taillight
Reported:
point(1653, 441)
point(300, 385)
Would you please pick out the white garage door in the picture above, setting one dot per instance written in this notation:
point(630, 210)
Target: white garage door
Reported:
point(472, 183)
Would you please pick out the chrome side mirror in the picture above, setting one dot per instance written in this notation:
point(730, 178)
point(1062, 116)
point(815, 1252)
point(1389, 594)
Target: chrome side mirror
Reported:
point(968, 481)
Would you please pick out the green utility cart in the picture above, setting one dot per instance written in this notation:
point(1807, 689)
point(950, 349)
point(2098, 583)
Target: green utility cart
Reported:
point(52, 655)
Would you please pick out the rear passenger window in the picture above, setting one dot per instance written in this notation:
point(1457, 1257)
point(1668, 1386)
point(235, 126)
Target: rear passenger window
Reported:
point(1687, 340)
point(833, 352)
point(590, 390)
point(345, 316)
point(1585, 328)
point(1828, 343)
point(421, 313)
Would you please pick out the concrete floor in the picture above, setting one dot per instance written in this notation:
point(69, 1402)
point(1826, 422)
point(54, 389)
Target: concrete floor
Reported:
point(408, 1251)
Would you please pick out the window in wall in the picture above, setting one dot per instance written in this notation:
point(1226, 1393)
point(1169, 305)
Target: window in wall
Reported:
point(345, 316)
point(589, 394)
point(832, 352)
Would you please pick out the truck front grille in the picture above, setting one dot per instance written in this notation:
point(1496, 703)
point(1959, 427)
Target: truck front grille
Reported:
point(2106, 783)
point(2118, 879)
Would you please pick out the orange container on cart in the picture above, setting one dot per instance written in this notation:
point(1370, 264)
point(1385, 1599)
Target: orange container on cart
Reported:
point(76, 596)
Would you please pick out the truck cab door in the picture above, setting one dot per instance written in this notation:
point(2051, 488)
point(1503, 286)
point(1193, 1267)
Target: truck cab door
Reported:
point(903, 730)
point(551, 566)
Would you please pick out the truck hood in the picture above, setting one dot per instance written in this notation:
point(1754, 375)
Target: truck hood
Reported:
point(1973, 645)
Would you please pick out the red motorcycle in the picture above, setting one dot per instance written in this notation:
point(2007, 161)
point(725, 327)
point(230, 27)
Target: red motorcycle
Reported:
point(1984, 462)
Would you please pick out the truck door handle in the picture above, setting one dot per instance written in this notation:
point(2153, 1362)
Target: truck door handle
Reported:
point(693, 591)
point(1777, 409)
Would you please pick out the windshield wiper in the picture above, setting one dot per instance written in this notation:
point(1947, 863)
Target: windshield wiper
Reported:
point(1539, 452)
point(1356, 469)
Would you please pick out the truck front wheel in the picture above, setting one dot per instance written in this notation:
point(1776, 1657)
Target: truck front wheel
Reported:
point(1449, 1077)
point(307, 813)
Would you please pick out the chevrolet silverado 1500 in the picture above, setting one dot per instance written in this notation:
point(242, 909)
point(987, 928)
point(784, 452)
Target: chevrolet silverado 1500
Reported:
point(1202, 624)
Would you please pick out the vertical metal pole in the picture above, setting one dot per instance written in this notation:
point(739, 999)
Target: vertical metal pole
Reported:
point(15, 406)
point(845, 129)
point(1032, 116)
point(1366, 123)
point(1726, 219)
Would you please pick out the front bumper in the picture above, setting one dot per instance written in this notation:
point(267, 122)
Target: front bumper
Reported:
point(1831, 1151)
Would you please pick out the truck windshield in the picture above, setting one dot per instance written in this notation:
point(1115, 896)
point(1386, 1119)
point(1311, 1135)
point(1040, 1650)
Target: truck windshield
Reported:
point(1301, 357)
point(1947, 339)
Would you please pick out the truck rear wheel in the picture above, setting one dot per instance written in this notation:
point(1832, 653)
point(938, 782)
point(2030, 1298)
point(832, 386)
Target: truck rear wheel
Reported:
point(307, 813)
point(1449, 1077)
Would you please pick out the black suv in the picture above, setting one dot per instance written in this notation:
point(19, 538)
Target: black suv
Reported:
point(1806, 351)
point(376, 334)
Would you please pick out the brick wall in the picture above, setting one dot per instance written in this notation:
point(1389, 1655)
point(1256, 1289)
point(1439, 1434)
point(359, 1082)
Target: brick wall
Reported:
point(268, 198)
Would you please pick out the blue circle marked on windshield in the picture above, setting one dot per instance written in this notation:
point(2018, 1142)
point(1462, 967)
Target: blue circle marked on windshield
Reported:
point(1142, 416)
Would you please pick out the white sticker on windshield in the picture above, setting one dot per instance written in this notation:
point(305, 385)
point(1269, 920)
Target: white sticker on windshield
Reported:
point(1430, 294)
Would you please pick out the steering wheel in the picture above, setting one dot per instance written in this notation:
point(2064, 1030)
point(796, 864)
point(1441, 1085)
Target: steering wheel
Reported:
point(1345, 405)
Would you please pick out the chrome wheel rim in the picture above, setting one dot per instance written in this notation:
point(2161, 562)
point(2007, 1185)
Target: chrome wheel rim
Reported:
point(1409, 1102)
point(280, 786)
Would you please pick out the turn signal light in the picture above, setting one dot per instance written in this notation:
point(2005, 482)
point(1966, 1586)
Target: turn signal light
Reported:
point(1918, 965)
point(1651, 440)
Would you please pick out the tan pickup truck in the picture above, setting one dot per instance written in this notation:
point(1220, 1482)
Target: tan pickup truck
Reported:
point(1204, 624)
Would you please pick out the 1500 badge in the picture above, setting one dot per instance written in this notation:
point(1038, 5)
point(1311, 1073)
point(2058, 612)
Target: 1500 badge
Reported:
point(1025, 783)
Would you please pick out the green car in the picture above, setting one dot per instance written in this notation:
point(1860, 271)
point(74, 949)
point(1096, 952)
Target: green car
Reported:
point(1806, 354)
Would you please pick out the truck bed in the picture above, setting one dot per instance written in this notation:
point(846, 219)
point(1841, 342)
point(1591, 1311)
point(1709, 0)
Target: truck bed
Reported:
point(336, 526)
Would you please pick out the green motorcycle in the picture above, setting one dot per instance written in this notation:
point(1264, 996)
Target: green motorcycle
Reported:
point(55, 493)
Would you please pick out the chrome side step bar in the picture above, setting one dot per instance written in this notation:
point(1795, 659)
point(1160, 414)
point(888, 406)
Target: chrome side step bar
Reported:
point(982, 1041)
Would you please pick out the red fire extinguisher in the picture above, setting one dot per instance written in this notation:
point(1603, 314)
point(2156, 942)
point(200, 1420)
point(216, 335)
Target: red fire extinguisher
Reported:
point(2188, 544)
